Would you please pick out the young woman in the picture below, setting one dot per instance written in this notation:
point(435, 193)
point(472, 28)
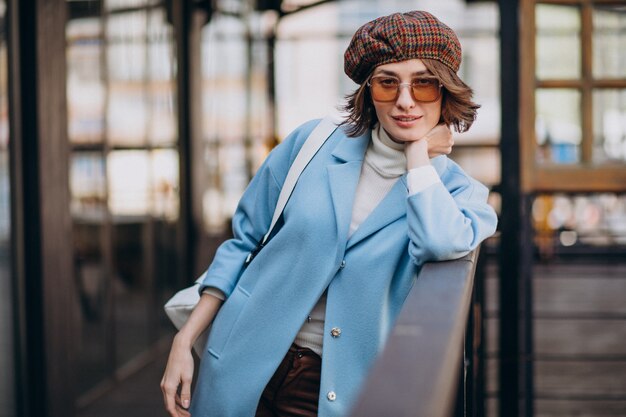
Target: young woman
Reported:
point(296, 331)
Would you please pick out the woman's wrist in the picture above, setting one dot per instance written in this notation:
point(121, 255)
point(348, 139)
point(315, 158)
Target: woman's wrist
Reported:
point(198, 321)
point(183, 340)
point(417, 154)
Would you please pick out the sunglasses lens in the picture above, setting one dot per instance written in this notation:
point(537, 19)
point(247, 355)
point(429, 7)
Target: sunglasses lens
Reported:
point(426, 90)
point(384, 89)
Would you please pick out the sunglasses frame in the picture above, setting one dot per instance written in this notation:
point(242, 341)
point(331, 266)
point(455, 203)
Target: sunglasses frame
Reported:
point(369, 84)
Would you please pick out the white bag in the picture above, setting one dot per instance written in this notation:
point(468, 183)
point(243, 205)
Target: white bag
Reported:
point(180, 306)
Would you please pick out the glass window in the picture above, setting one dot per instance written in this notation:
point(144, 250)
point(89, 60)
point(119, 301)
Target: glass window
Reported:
point(90, 270)
point(124, 181)
point(609, 125)
point(577, 89)
point(558, 42)
point(85, 89)
point(236, 129)
point(86, 96)
point(88, 185)
point(127, 109)
point(131, 287)
point(558, 125)
point(609, 41)
point(162, 127)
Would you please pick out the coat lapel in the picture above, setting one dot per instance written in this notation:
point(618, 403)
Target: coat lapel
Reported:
point(391, 208)
point(343, 176)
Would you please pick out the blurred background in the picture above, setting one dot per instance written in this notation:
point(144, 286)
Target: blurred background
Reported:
point(130, 128)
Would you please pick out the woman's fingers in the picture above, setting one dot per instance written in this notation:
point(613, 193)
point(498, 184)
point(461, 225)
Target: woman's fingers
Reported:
point(169, 393)
point(175, 404)
point(439, 140)
point(178, 376)
point(185, 391)
point(181, 408)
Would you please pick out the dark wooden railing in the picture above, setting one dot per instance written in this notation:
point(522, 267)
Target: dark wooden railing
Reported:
point(426, 369)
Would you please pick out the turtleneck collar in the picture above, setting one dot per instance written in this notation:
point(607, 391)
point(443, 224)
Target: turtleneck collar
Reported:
point(384, 155)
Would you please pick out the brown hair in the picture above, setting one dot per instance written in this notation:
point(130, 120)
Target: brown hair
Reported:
point(457, 107)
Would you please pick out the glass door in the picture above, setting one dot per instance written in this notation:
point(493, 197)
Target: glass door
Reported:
point(124, 181)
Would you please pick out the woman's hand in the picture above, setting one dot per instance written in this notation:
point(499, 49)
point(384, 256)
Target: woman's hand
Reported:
point(178, 373)
point(179, 369)
point(439, 140)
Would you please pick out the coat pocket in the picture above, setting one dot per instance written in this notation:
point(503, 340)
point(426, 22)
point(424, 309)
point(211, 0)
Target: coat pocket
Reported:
point(225, 321)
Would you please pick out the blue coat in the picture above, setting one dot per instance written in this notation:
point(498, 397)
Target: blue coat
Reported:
point(368, 275)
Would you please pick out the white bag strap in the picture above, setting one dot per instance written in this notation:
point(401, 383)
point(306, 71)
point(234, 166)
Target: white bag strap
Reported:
point(313, 143)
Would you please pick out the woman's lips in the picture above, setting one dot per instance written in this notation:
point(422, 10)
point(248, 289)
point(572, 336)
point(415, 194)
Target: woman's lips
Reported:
point(406, 121)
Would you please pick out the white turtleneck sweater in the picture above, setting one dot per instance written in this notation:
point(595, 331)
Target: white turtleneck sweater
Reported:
point(384, 163)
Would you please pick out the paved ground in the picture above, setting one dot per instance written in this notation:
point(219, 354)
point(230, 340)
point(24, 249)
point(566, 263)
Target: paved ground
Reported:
point(138, 396)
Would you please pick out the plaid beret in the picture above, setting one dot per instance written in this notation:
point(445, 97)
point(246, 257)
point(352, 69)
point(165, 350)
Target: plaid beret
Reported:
point(399, 37)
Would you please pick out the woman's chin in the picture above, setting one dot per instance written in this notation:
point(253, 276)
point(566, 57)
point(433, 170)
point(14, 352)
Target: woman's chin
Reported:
point(407, 136)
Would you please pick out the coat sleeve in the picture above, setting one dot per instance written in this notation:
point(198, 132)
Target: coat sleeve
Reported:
point(450, 218)
point(254, 213)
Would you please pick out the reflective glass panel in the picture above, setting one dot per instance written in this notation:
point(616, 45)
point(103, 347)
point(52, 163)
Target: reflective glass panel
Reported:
point(131, 285)
point(88, 185)
point(609, 125)
point(88, 207)
point(91, 298)
point(144, 182)
point(85, 86)
point(609, 41)
point(167, 276)
point(127, 107)
point(558, 126)
point(124, 181)
point(162, 128)
point(7, 361)
point(226, 71)
point(86, 97)
point(128, 174)
point(164, 184)
point(558, 42)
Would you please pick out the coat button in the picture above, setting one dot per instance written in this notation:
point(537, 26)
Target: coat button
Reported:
point(342, 265)
point(335, 332)
point(331, 396)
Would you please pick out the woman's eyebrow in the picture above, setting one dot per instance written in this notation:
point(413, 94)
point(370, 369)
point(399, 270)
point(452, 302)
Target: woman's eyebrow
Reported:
point(391, 73)
point(385, 72)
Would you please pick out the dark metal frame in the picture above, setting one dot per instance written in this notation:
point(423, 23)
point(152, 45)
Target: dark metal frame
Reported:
point(183, 32)
point(12, 25)
point(40, 199)
point(515, 371)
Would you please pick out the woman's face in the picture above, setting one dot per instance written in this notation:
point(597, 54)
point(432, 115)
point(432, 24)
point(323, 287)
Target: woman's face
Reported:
point(406, 119)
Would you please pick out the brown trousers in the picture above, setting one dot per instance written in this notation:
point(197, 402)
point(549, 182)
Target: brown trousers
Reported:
point(294, 389)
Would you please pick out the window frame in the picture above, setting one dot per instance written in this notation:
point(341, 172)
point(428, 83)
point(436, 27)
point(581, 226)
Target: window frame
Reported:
point(584, 176)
